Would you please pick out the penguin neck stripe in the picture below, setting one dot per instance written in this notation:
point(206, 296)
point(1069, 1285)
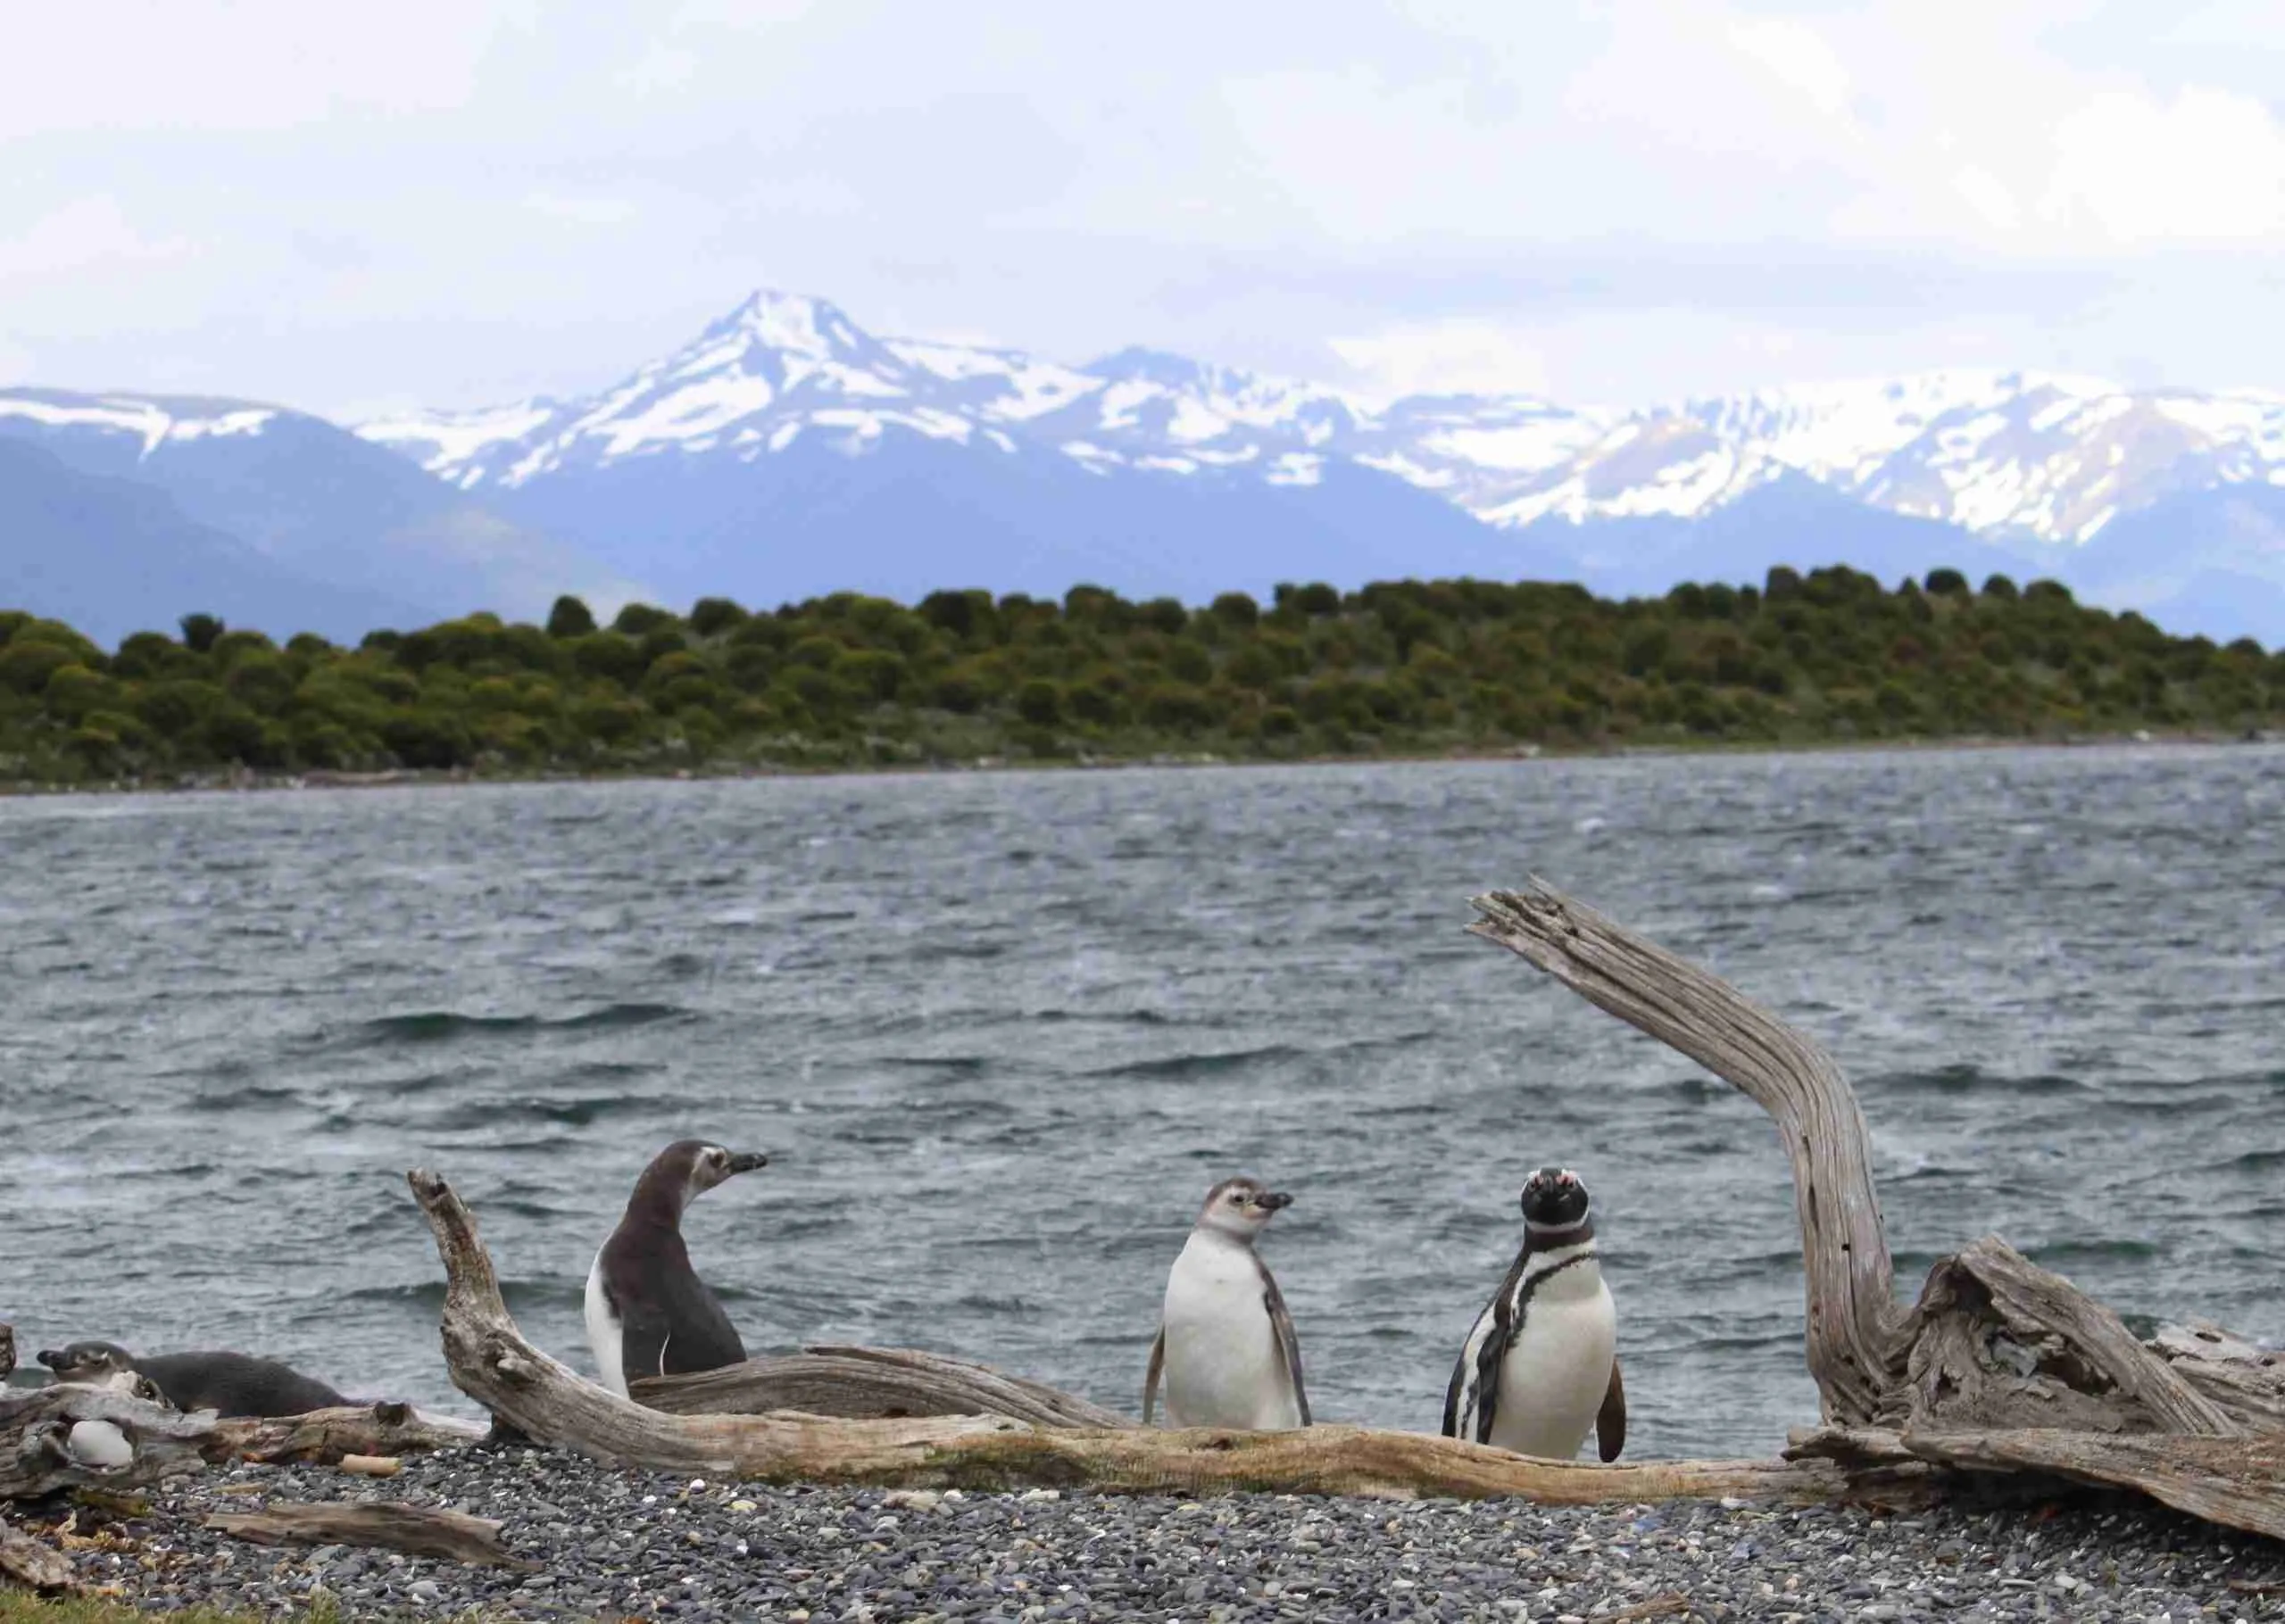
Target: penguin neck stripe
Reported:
point(1549, 1236)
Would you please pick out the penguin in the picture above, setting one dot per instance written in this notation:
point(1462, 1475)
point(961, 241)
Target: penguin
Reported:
point(648, 1312)
point(1540, 1368)
point(1226, 1345)
point(227, 1383)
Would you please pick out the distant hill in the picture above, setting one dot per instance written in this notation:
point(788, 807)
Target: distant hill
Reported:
point(113, 556)
point(314, 504)
point(1401, 668)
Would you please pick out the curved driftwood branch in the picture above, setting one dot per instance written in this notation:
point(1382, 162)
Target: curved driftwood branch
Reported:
point(36, 1426)
point(1855, 1323)
point(490, 1360)
point(869, 1384)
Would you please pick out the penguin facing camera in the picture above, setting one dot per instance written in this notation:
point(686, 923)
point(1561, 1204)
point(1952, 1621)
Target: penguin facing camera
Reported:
point(1540, 1368)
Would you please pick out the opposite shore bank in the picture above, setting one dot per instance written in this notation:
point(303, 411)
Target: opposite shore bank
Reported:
point(252, 780)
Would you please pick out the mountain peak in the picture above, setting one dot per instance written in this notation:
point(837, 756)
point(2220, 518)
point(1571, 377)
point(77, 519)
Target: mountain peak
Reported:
point(797, 324)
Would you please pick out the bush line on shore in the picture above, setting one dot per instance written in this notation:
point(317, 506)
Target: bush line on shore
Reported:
point(1401, 668)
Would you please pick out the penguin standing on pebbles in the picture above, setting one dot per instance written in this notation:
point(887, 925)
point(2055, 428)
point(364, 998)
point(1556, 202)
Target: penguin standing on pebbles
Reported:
point(1226, 1344)
point(1539, 1368)
point(648, 1312)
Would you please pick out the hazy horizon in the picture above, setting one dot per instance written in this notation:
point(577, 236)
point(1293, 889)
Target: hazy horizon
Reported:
point(454, 205)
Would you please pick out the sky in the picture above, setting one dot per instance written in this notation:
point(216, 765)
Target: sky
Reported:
point(358, 209)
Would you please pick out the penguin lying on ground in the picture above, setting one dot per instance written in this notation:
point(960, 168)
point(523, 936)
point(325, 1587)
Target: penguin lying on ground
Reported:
point(648, 1312)
point(230, 1384)
point(1226, 1344)
point(1539, 1368)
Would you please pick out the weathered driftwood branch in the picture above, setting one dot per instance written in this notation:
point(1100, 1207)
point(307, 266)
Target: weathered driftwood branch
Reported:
point(36, 1428)
point(2246, 1380)
point(869, 1384)
point(417, 1530)
point(1998, 1341)
point(1854, 1346)
point(490, 1360)
point(2239, 1482)
point(2001, 1364)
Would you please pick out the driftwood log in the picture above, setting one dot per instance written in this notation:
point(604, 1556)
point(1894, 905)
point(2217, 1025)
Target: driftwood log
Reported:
point(490, 1360)
point(869, 1384)
point(35, 1425)
point(417, 1530)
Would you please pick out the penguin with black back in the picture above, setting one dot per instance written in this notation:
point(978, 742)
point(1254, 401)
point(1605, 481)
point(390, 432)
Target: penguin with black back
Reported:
point(230, 1384)
point(648, 1312)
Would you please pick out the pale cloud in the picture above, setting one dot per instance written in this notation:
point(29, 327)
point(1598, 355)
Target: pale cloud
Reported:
point(88, 234)
point(324, 205)
point(181, 67)
point(1799, 57)
point(2204, 166)
point(1988, 197)
point(1449, 358)
point(581, 210)
point(661, 67)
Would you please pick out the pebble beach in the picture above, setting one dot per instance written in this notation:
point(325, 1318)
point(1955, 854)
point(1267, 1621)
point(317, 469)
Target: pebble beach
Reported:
point(613, 1545)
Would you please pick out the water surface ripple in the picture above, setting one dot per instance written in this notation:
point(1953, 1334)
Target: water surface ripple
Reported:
point(1000, 1033)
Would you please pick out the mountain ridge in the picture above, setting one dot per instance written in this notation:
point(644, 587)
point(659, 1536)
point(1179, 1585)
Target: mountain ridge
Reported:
point(787, 452)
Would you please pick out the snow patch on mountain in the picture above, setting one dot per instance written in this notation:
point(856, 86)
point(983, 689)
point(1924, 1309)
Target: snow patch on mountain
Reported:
point(150, 422)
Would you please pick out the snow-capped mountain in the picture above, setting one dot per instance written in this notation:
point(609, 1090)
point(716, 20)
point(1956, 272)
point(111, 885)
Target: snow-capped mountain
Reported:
point(1996, 467)
point(787, 452)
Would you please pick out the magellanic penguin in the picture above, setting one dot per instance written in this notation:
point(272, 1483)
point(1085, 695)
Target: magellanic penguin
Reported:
point(1539, 1368)
point(648, 1312)
point(1226, 1344)
point(227, 1383)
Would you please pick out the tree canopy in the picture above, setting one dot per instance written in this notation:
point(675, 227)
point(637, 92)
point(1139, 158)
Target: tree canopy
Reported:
point(1397, 667)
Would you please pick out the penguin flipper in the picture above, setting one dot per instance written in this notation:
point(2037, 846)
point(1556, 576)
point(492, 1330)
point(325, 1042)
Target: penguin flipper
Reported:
point(1288, 1343)
point(1151, 1376)
point(643, 1334)
point(1611, 1420)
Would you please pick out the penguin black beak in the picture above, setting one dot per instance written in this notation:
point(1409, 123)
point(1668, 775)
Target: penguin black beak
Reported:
point(48, 1357)
point(746, 1161)
point(1275, 1200)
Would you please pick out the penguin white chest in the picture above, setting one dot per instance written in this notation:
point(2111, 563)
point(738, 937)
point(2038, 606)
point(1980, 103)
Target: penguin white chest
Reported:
point(606, 1335)
point(1558, 1367)
point(1224, 1365)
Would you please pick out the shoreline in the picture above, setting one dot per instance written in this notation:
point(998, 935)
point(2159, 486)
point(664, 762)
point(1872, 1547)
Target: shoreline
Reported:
point(249, 781)
point(603, 1544)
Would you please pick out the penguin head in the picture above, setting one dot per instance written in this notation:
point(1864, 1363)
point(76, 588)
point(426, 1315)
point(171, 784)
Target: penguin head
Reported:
point(1242, 1207)
point(86, 1361)
point(1554, 1199)
point(687, 1169)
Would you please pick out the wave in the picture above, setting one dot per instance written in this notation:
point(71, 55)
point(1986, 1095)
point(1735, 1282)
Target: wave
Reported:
point(1967, 1079)
point(447, 1026)
point(1182, 1068)
point(574, 1112)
